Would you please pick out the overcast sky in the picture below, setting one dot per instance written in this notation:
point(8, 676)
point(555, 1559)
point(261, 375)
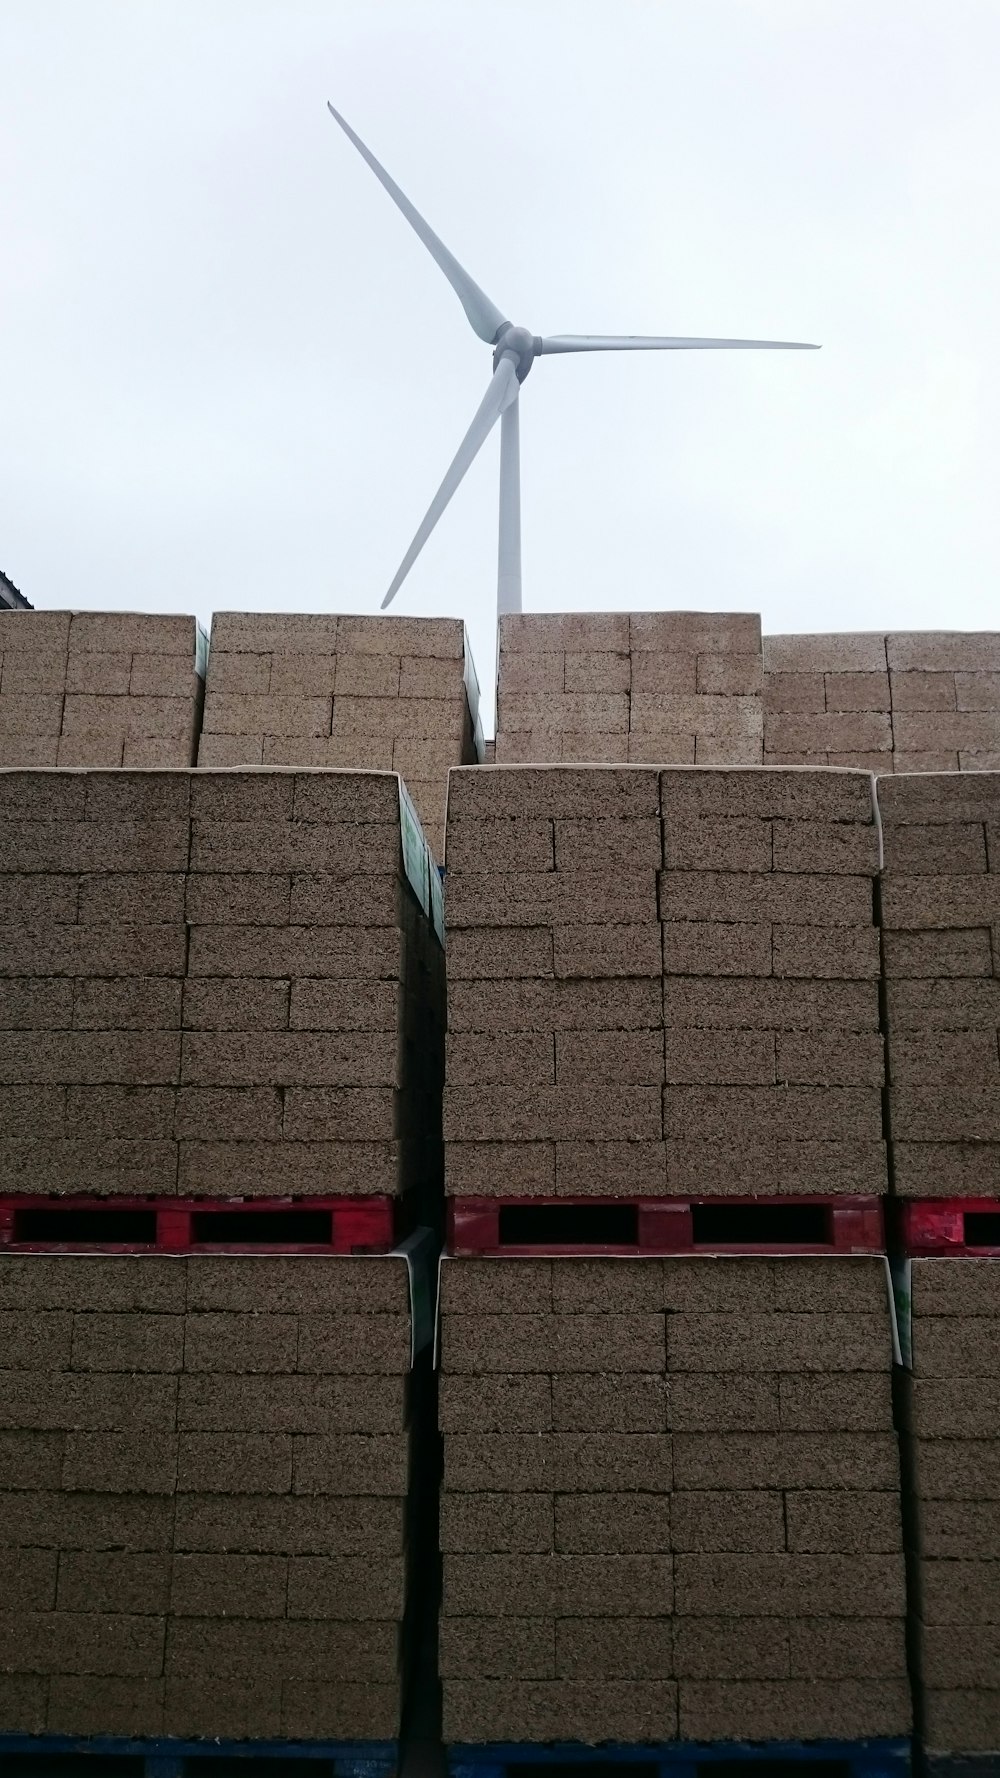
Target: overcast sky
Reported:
point(231, 377)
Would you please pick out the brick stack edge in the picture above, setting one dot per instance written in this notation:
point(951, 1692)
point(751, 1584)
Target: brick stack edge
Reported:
point(907, 702)
point(205, 1474)
point(941, 960)
point(662, 982)
point(89, 688)
point(951, 1413)
point(671, 1501)
point(385, 693)
point(215, 984)
point(658, 686)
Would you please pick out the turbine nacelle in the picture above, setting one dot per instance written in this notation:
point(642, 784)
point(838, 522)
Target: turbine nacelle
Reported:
point(520, 346)
point(514, 353)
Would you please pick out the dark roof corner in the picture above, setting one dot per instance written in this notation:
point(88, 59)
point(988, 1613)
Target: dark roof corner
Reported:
point(10, 598)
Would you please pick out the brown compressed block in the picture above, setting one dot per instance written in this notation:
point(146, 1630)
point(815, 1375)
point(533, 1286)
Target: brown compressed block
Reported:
point(599, 1649)
point(705, 947)
point(288, 1525)
point(92, 1282)
point(132, 899)
point(846, 1648)
point(511, 1648)
point(841, 1283)
point(29, 750)
point(594, 671)
point(235, 1648)
point(615, 1169)
point(30, 1459)
point(786, 1460)
point(937, 1058)
point(500, 1169)
point(291, 1404)
point(230, 750)
point(765, 795)
point(951, 1528)
point(505, 1403)
point(958, 1469)
point(857, 691)
point(785, 1341)
point(41, 900)
point(32, 1583)
point(482, 1524)
point(708, 1057)
point(86, 1164)
point(952, 1658)
point(693, 843)
point(712, 1520)
point(236, 1005)
point(616, 1285)
point(538, 1005)
point(779, 1005)
point(847, 953)
point(40, 1341)
point(205, 1705)
point(726, 1648)
point(857, 1523)
point(537, 898)
point(609, 1523)
point(298, 1284)
point(527, 746)
point(94, 845)
point(802, 899)
point(738, 1403)
point(920, 690)
point(350, 1463)
point(303, 1169)
point(253, 1463)
point(962, 1345)
point(313, 1708)
point(295, 1058)
point(833, 1058)
point(112, 1706)
point(34, 1003)
point(559, 1710)
point(567, 1112)
point(558, 1585)
point(139, 1342)
point(925, 1113)
point(962, 1718)
point(959, 1592)
point(33, 715)
point(548, 632)
point(589, 1462)
point(520, 675)
point(343, 846)
point(501, 845)
point(794, 691)
point(606, 950)
point(598, 1403)
point(663, 672)
point(81, 1642)
point(553, 792)
point(583, 712)
point(499, 1059)
point(132, 1003)
point(626, 1058)
point(102, 1462)
point(789, 1585)
point(930, 954)
point(921, 903)
point(342, 953)
point(338, 1114)
point(113, 1581)
point(647, 746)
point(96, 1057)
point(793, 1709)
point(858, 652)
point(85, 1521)
point(972, 1169)
point(616, 844)
point(973, 1288)
point(839, 847)
point(318, 1005)
point(50, 797)
point(809, 1112)
point(505, 953)
point(485, 1286)
point(355, 1345)
point(956, 1407)
point(537, 1342)
point(220, 1342)
point(345, 1587)
point(331, 899)
point(853, 731)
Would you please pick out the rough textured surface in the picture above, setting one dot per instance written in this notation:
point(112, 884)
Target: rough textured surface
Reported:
point(612, 688)
point(215, 984)
point(673, 1486)
point(922, 701)
point(204, 1507)
point(385, 693)
point(940, 898)
point(950, 1411)
point(90, 688)
point(662, 982)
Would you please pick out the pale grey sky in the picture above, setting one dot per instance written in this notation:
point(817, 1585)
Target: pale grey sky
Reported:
point(230, 376)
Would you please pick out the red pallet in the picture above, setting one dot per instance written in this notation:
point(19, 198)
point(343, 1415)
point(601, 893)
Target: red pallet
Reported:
point(536, 1227)
point(957, 1226)
point(30, 1224)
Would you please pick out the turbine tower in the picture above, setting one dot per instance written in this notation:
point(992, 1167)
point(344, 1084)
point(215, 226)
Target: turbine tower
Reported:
point(514, 352)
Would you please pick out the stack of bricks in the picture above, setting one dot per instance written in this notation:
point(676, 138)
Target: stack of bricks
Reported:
point(380, 693)
point(90, 688)
point(952, 1413)
point(205, 1471)
point(662, 982)
point(216, 984)
point(907, 702)
point(670, 686)
point(671, 1501)
point(941, 959)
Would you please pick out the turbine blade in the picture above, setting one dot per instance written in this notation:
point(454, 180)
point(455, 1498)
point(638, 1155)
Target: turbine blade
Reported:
point(486, 319)
point(501, 392)
point(637, 342)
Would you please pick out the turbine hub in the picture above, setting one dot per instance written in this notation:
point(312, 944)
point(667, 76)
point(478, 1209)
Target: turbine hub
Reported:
point(519, 345)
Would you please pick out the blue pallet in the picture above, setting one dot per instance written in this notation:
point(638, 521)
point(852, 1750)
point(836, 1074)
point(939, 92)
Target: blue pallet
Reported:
point(775, 1759)
point(112, 1754)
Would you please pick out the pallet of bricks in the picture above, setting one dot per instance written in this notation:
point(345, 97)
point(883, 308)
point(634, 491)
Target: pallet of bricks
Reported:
point(388, 693)
point(671, 1521)
point(99, 688)
point(222, 1003)
point(941, 926)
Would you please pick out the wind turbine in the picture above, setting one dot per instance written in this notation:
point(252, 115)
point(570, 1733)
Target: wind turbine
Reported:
point(514, 353)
